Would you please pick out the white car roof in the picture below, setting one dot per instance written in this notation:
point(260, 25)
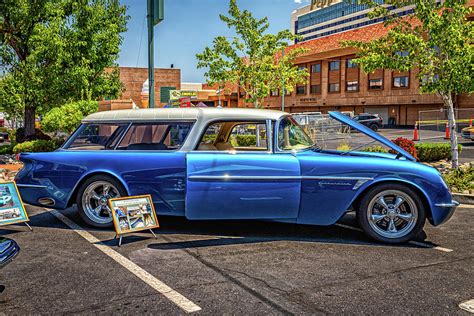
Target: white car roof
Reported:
point(205, 114)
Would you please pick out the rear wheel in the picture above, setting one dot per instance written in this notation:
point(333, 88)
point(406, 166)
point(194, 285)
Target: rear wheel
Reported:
point(391, 213)
point(93, 200)
point(374, 127)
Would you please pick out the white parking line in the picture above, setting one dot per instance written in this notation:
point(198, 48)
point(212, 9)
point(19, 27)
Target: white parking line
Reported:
point(417, 243)
point(468, 306)
point(175, 297)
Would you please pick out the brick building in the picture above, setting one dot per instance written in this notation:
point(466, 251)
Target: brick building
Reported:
point(336, 83)
point(133, 79)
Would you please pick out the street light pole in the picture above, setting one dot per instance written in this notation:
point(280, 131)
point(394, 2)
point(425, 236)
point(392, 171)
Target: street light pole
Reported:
point(151, 61)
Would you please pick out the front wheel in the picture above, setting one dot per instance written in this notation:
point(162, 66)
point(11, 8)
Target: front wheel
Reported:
point(93, 200)
point(374, 127)
point(391, 213)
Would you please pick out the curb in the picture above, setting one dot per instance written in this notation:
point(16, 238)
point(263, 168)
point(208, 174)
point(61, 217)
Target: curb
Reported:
point(464, 198)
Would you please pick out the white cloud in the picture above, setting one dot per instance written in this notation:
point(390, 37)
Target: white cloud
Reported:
point(301, 1)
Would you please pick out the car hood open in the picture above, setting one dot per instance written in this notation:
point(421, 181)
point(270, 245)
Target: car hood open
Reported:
point(367, 131)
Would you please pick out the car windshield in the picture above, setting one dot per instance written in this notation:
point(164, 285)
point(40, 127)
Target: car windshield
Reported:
point(291, 136)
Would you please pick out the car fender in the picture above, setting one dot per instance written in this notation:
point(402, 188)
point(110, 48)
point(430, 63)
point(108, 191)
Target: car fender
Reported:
point(363, 189)
point(91, 173)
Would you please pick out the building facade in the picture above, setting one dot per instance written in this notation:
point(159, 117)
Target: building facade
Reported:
point(328, 17)
point(336, 83)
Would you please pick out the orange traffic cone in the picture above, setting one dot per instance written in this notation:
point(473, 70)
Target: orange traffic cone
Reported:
point(470, 122)
point(447, 136)
point(415, 133)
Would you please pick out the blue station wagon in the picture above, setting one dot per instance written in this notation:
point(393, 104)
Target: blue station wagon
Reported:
point(221, 164)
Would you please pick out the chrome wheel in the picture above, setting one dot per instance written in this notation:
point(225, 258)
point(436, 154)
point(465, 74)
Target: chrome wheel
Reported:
point(392, 214)
point(95, 201)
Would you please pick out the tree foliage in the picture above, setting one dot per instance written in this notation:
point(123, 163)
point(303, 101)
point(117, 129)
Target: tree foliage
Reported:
point(436, 40)
point(68, 117)
point(57, 50)
point(250, 58)
point(11, 102)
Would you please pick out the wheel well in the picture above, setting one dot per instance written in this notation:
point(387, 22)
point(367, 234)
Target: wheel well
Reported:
point(72, 197)
point(355, 204)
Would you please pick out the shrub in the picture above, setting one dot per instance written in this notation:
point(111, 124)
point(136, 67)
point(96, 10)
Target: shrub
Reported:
point(67, 117)
point(6, 149)
point(38, 145)
point(460, 179)
point(376, 149)
point(344, 147)
point(428, 152)
point(406, 144)
point(246, 140)
point(38, 135)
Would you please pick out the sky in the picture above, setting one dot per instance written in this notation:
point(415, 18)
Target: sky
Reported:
point(189, 26)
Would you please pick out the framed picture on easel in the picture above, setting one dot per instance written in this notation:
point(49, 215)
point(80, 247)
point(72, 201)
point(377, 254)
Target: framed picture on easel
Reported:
point(12, 210)
point(132, 214)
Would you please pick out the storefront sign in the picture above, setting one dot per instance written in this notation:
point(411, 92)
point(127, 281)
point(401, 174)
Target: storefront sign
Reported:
point(133, 213)
point(320, 3)
point(178, 94)
point(12, 210)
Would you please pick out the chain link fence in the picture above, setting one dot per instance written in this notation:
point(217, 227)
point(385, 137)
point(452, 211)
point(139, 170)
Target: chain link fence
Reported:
point(432, 123)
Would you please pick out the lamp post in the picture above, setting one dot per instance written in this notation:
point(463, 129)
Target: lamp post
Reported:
point(155, 16)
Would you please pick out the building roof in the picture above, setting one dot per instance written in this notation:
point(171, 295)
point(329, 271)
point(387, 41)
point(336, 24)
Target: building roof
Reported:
point(333, 42)
point(182, 114)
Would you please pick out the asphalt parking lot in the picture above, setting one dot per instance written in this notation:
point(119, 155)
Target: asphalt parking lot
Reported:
point(235, 268)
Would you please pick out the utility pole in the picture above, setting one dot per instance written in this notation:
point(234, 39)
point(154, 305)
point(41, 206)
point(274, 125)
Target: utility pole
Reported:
point(283, 81)
point(155, 16)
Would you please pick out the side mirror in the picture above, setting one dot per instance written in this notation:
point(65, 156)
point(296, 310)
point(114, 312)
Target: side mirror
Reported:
point(9, 249)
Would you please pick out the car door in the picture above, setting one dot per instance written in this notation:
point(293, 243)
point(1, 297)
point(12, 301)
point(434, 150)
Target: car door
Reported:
point(241, 182)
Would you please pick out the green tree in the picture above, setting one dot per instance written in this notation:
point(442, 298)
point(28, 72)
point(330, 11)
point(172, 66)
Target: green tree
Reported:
point(436, 40)
point(251, 57)
point(67, 118)
point(11, 102)
point(57, 51)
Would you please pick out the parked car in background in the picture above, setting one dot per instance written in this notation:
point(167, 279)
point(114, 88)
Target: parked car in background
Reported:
point(223, 164)
point(372, 121)
point(468, 133)
point(3, 137)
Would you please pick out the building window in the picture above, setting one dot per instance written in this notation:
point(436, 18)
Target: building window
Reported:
point(274, 93)
point(376, 84)
point(316, 68)
point(350, 63)
point(301, 67)
point(334, 65)
point(352, 86)
point(400, 82)
point(301, 90)
point(315, 89)
point(287, 93)
point(333, 87)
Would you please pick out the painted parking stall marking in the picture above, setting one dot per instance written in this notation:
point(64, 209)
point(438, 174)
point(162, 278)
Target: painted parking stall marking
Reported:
point(417, 243)
point(468, 306)
point(175, 297)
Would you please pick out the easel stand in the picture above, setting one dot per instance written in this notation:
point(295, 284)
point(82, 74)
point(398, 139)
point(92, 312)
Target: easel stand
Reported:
point(29, 227)
point(121, 235)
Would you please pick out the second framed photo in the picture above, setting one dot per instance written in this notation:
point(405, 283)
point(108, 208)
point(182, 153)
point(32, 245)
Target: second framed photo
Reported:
point(133, 213)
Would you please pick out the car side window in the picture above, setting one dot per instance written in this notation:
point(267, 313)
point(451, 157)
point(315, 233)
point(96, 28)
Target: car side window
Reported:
point(249, 136)
point(234, 136)
point(96, 137)
point(155, 136)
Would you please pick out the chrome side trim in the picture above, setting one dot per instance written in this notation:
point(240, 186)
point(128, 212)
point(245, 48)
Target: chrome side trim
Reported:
point(336, 178)
point(31, 186)
point(229, 177)
point(452, 204)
